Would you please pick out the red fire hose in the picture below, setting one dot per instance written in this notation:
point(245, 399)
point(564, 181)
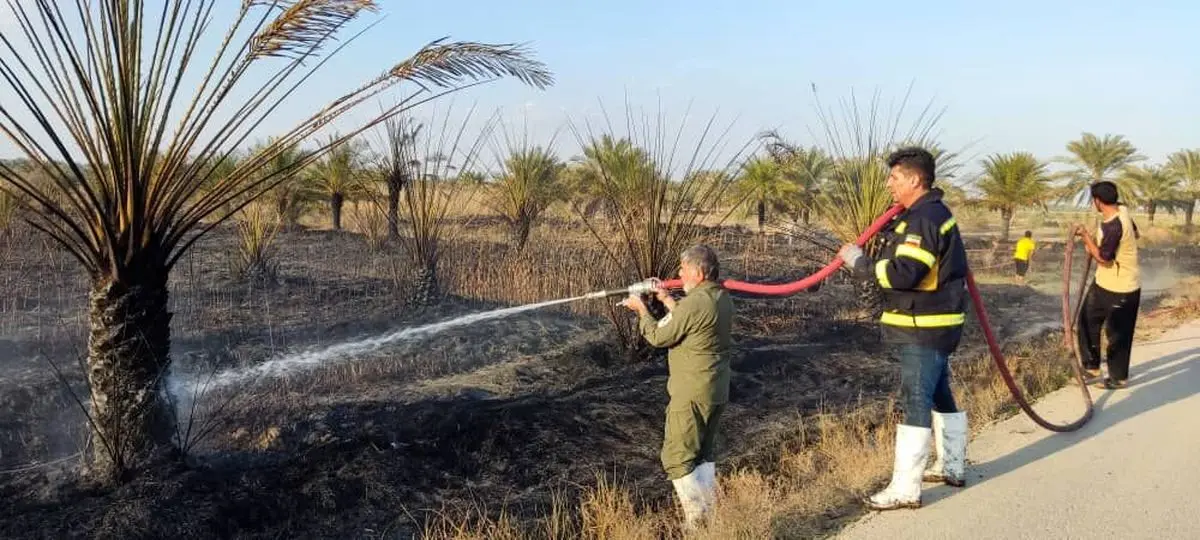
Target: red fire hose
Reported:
point(787, 289)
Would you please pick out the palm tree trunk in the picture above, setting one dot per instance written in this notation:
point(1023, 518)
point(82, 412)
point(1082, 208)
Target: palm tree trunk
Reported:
point(1006, 217)
point(520, 233)
point(127, 365)
point(762, 215)
point(1188, 212)
point(1150, 209)
point(425, 286)
point(335, 209)
point(394, 186)
point(281, 210)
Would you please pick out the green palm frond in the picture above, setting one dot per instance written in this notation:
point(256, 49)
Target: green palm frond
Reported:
point(762, 185)
point(1012, 181)
point(654, 203)
point(1152, 187)
point(1094, 159)
point(858, 140)
point(341, 170)
point(1185, 165)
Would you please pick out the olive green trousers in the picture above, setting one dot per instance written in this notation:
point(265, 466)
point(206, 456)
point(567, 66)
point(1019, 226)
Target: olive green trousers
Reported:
point(690, 436)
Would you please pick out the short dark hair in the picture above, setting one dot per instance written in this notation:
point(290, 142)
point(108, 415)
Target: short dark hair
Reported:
point(917, 160)
point(704, 258)
point(1105, 191)
point(1028, 234)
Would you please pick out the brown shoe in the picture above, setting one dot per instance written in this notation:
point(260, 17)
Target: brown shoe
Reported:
point(1111, 384)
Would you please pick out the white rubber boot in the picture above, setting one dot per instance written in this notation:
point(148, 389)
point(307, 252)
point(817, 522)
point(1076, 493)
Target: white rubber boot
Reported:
point(950, 441)
point(904, 491)
point(935, 471)
point(708, 483)
point(692, 497)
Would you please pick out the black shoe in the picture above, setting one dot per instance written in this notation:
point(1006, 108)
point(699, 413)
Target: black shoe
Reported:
point(1111, 384)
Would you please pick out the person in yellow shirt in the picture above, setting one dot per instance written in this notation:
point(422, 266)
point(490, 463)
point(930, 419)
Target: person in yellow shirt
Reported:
point(1021, 255)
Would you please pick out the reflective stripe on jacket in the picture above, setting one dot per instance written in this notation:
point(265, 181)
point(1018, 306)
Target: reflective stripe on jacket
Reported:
point(922, 270)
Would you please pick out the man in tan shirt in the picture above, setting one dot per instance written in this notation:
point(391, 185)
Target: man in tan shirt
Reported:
point(1113, 299)
point(697, 331)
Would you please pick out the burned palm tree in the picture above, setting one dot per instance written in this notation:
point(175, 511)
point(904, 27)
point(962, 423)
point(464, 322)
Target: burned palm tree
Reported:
point(102, 109)
point(440, 177)
point(397, 161)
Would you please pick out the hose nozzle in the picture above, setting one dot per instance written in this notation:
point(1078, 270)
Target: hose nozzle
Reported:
point(642, 287)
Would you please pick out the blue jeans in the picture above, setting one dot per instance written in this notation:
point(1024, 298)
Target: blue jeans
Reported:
point(924, 384)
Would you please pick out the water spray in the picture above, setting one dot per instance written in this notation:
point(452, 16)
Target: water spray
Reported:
point(347, 351)
point(303, 361)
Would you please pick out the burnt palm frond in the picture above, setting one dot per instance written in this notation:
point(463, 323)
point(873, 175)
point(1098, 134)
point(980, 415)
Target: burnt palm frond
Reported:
point(303, 26)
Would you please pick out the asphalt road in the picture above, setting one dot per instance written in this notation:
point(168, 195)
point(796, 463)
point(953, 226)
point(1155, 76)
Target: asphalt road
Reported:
point(1132, 472)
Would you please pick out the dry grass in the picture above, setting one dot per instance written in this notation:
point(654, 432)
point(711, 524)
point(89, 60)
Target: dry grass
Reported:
point(540, 272)
point(1181, 306)
point(833, 459)
point(370, 220)
point(8, 210)
point(807, 486)
point(257, 229)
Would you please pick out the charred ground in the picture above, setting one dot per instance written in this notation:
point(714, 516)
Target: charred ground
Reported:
point(499, 415)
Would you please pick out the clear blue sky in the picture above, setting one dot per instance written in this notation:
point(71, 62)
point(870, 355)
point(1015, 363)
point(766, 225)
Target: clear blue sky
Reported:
point(1014, 75)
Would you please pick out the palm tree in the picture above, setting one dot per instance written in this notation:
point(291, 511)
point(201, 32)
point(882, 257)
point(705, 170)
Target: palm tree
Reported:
point(441, 176)
point(338, 176)
point(859, 140)
point(397, 163)
point(528, 182)
point(1185, 165)
point(806, 167)
point(955, 196)
point(291, 197)
point(855, 194)
point(657, 203)
point(855, 190)
point(762, 185)
point(1152, 187)
point(105, 114)
point(1094, 159)
point(612, 175)
point(1013, 181)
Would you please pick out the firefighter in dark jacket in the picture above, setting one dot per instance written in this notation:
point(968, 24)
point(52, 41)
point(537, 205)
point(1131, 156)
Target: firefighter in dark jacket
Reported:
point(922, 271)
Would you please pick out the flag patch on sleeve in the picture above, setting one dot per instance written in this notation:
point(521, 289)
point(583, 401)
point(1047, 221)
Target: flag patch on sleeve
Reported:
point(913, 239)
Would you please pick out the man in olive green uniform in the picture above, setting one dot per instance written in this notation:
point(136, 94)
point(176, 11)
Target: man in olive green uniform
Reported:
point(696, 330)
